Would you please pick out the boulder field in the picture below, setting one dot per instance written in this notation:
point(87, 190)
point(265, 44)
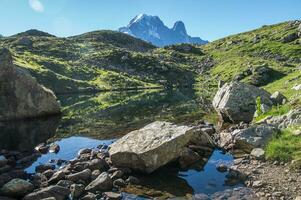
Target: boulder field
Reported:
point(21, 95)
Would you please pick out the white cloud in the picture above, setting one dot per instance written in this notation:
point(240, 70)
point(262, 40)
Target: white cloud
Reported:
point(36, 5)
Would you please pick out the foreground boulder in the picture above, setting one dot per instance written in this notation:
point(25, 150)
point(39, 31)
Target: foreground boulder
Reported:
point(21, 95)
point(236, 102)
point(155, 145)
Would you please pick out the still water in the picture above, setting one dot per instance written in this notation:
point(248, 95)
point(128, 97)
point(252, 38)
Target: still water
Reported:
point(91, 120)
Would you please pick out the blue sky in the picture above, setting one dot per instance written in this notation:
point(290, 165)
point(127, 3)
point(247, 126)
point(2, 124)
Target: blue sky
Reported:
point(209, 19)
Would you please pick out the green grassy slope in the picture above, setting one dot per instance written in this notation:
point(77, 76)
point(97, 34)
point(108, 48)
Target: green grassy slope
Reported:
point(112, 60)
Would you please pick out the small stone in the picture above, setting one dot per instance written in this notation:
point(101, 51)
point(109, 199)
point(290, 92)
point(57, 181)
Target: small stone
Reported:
point(48, 173)
point(42, 148)
point(117, 174)
point(119, 183)
point(258, 153)
point(257, 184)
point(132, 180)
point(65, 183)
point(84, 151)
point(84, 175)
point(298, 198)
point(76, 190)
point(95, 174)
point(222, 168)
point(112, 195)
point(17, 188)
point(42, 168)
point(57, 176)
point(102, 183)
point(54, 148)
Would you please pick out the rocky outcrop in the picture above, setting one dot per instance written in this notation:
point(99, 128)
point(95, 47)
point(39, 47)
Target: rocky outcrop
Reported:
point(293, 117)
point(248, 138)
point(21, 95)
point(236, 102)
point(155, 145)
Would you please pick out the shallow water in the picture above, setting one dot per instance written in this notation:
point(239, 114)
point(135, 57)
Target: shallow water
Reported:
point(91, 120)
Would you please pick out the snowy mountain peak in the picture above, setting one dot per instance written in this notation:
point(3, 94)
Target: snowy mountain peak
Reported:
point(152, 29)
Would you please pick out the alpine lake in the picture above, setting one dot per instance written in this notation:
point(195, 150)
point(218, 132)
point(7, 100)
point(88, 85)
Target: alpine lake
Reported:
point(90, 120)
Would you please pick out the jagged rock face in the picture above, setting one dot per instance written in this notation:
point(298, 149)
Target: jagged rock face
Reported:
point(155, 145)
point(21, 95)
point(236, 102)
point(152, 29)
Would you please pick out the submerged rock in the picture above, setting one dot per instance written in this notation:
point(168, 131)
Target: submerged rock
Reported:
point(22, 96)
point(236, 102)
point(155, 145)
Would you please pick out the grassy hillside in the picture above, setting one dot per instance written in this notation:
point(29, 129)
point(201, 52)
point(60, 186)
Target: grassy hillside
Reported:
point(102, 60)
point(269, 57)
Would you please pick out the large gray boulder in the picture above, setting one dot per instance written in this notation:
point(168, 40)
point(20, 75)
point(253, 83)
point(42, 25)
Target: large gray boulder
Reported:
point(236, 102)
point(21, 95)
point(155, 145)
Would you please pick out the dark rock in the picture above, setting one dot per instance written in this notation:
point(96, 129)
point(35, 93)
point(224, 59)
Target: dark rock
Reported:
point(6, 198)
point(58, 192)
point(117, 174)
point(99, 164)
point(102, 183)
point(48, 173)
point(290, 37)
point(24, 97)
point(119, 183)
point(84, 151)
point(39, 180)
point(42, 148)
point(222, 168)
point(89, 196)
point(3, 161)
point(76, 190)
point(84, 175)
point(5, 168)
point(95, 174)
point(132, 180)
point(65, 183)
point(57, 176)
point(42, 168)
point(17, 188)
point(278, 98)
point(188, 157)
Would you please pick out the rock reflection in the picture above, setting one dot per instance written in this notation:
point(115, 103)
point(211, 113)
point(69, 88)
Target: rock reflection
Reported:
point(24, 135)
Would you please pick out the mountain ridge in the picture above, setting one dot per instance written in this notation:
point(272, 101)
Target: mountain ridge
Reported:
point(152, 29)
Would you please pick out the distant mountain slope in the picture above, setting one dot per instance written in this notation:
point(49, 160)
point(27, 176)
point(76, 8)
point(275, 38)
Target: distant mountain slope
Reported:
point(268, 57)
point(152, 29)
